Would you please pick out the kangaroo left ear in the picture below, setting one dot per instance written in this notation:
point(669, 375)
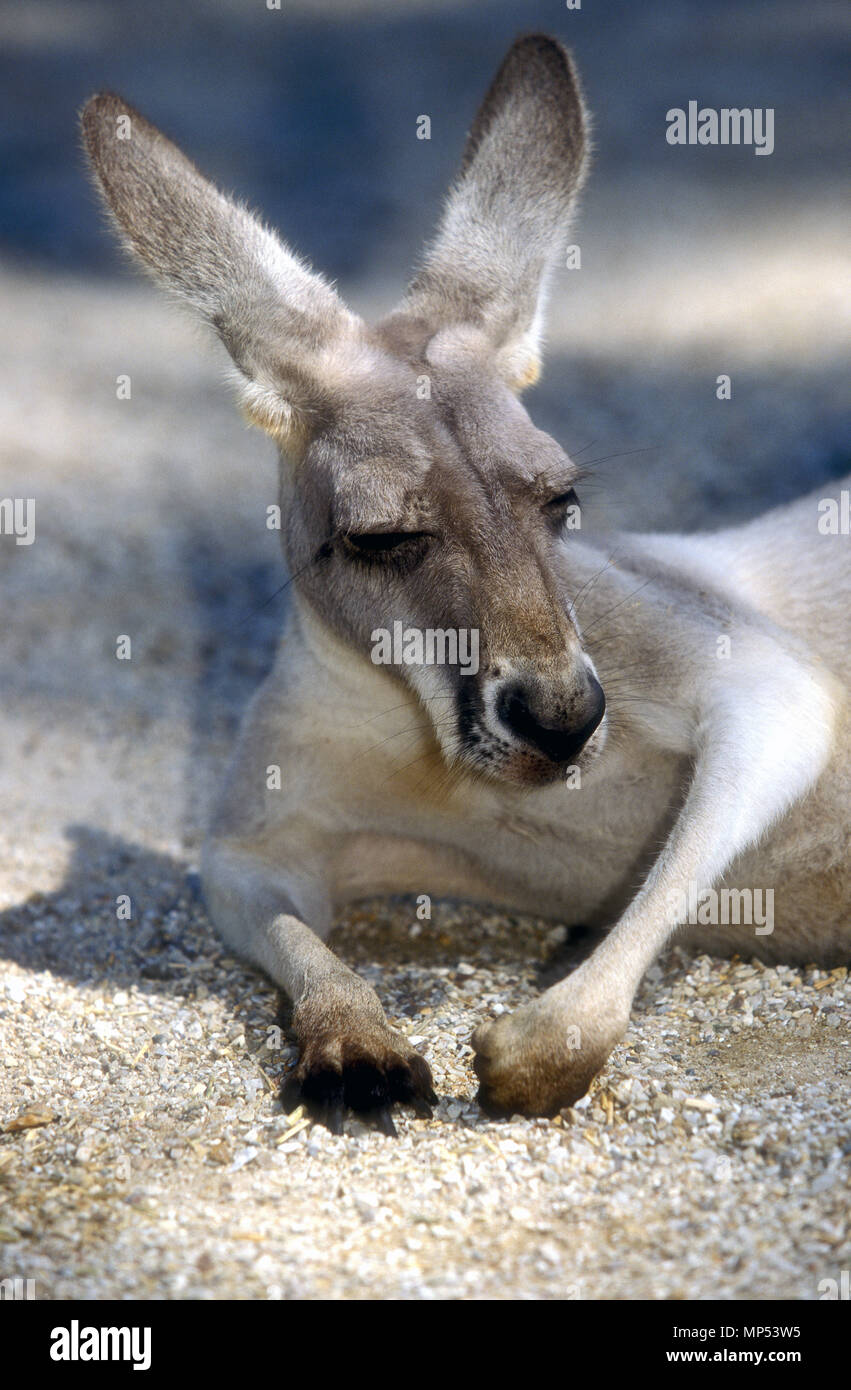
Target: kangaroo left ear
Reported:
point(506, 220)
point(284, 327)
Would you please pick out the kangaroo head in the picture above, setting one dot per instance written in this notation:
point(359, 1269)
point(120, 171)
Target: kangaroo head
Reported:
point(414, 486)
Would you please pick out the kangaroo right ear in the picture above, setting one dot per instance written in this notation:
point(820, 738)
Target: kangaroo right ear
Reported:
point(279, 321)
point(506, 220)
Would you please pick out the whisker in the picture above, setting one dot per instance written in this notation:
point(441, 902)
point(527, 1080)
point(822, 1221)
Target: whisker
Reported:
point(628, 453)
point(265, 604)
point(589, 583)
point(615, 606)
point(425, 699)
point(422, 729)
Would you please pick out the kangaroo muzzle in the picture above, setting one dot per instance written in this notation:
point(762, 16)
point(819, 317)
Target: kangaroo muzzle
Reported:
point(560, 736)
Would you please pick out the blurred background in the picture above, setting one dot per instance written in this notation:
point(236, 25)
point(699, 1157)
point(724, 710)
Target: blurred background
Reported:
point(150, 512)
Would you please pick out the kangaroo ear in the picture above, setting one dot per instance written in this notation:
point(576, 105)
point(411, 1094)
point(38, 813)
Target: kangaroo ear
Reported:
point(506, 219)
point(279, 321)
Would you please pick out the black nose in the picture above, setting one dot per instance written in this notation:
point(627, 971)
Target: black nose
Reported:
point(559, 740)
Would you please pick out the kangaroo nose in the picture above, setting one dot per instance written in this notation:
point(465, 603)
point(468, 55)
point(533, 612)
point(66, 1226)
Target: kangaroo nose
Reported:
point(559, 740)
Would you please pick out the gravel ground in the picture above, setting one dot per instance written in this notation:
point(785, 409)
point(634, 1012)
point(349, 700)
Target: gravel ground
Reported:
point(143, 1152)
point(711, 1157)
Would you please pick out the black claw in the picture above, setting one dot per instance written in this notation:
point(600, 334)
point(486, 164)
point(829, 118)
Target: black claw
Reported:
point(362, 1086)
point(290, 1093)
point(331, 1116)
point(420, 1079)
point(384, 1122)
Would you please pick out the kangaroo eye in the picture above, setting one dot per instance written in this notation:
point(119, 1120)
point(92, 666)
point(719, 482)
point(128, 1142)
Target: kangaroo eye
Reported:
point(369, 543)
point(562, 501)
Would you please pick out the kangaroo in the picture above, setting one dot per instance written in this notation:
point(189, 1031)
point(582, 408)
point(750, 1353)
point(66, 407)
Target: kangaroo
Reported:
point(651, 715)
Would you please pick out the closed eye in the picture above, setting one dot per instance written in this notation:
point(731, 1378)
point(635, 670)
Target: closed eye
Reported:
point(374, 544)
point(562, 501)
